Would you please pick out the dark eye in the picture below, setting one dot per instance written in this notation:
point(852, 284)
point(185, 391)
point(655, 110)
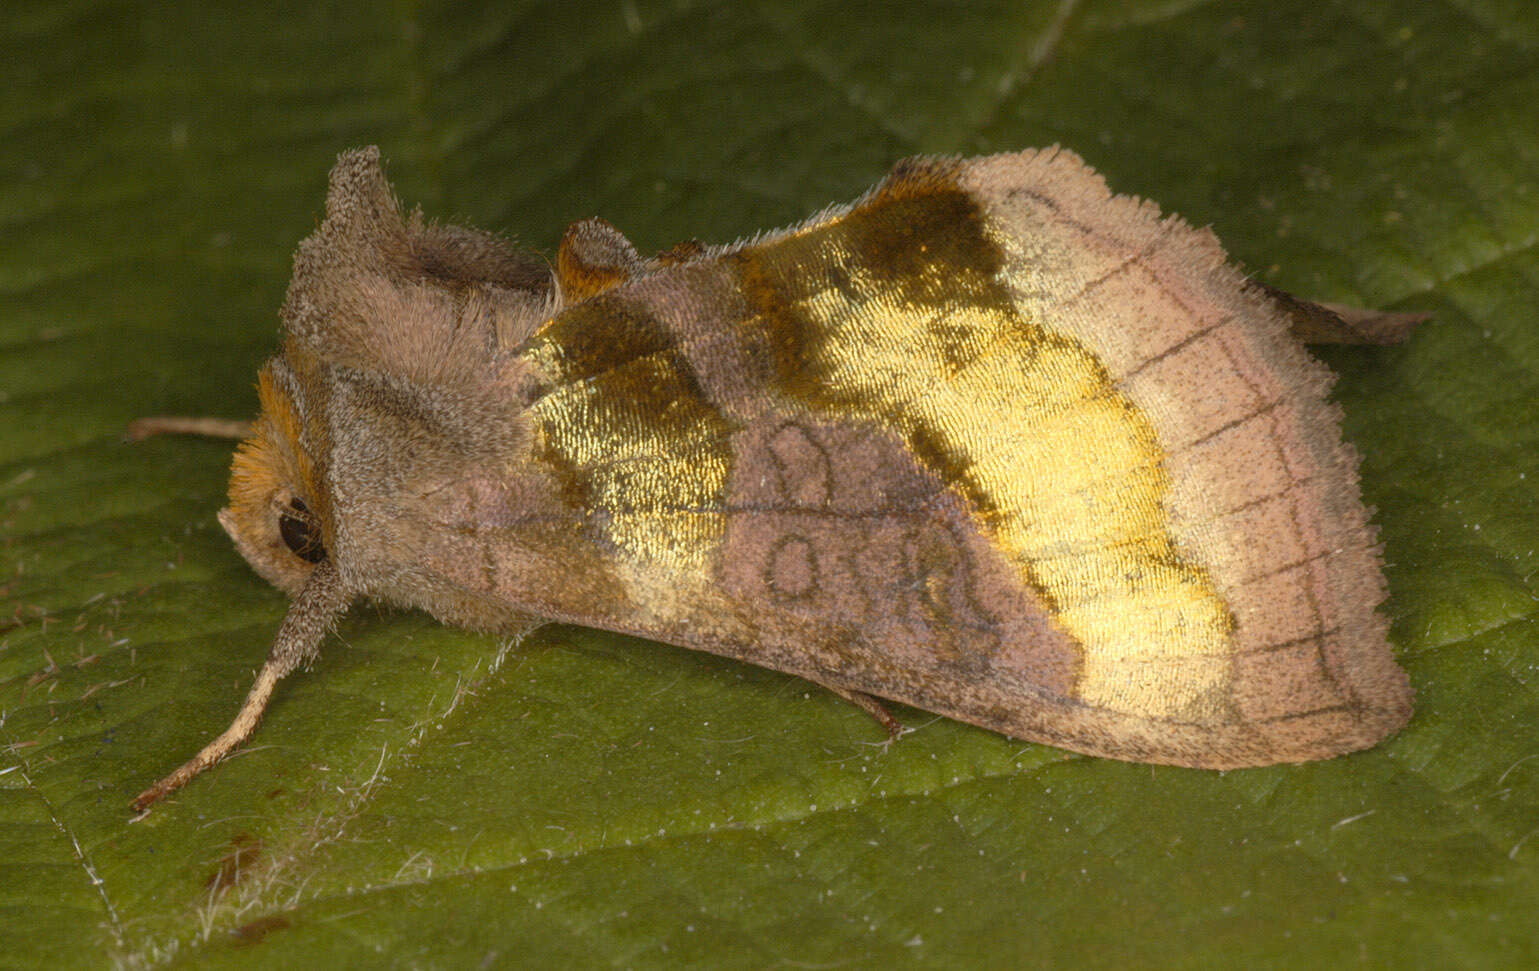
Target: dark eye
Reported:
point(301, 533)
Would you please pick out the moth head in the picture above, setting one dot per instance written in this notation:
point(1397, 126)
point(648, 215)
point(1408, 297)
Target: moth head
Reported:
point(279, 515)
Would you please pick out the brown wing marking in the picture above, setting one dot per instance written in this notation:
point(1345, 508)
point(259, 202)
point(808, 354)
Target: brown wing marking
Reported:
point(828, 551)
point(894, 314)
point(834, 527)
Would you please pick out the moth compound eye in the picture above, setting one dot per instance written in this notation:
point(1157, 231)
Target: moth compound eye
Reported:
point(301, 533)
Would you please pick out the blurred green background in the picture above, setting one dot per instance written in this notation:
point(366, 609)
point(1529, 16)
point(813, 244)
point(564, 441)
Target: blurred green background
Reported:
point(427, 797)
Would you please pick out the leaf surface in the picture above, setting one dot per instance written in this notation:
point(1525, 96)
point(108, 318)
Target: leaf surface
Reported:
point(430, 797)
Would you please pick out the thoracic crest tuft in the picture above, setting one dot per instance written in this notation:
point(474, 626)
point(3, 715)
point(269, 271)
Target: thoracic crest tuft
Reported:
point(374, 288)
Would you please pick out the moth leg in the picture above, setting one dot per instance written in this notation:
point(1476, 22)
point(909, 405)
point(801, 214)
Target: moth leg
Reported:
point(593, 257)
point(1332, 323)
point(323, 599)
point(873, 707)
point(142, 428)
point(1365, 326)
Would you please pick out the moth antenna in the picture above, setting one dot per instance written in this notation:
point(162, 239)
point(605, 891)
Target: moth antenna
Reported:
point(142, 428)
point(323, 599)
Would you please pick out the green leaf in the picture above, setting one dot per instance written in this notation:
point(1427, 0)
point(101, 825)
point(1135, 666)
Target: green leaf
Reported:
point(430, 797)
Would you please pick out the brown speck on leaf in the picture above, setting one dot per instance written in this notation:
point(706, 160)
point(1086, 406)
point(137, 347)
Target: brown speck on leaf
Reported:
point(254, 931)
point(237, 862)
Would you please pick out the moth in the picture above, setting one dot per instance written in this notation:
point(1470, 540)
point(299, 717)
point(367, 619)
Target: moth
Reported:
point(990, 441)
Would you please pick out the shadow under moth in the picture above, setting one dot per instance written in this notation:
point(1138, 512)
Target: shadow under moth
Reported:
point(990, 441)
